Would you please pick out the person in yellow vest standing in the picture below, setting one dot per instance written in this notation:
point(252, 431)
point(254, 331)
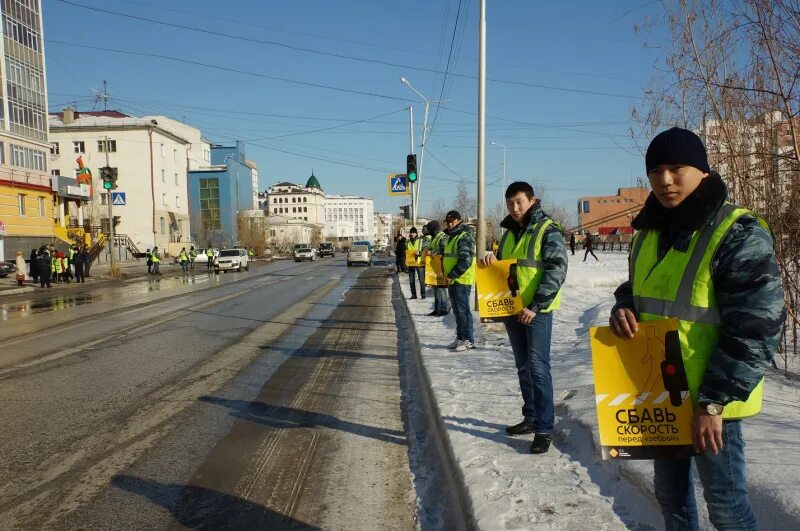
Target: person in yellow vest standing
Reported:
point(156, 261)
point(711, 265)
point(436, 247)
point(183, 258)
point(458, 264)
point(536, 241)
point(417, 269)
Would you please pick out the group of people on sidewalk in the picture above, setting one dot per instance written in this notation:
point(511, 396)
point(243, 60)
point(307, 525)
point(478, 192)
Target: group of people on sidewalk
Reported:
point(695, 257)
point(48, 265)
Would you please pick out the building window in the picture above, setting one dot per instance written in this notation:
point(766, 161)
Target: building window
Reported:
point(305, 209)
point(78, 147)
point(177, 202)
point(586, 207)
point(54, 149)
point(112, 146)
point(175, 155)
point(21, 204)
point(209, 204)
point(163, 154)
point(176, 179)
point(25, 157)
point(55, 173)
point(163, 176)
point(164, 199)
point(41, 207)
point(305, 200)
point(163, 226)
point(104, 198)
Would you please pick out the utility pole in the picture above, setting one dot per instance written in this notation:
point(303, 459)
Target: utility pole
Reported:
point(110, 212)
point(411, 185)
point(481, 236)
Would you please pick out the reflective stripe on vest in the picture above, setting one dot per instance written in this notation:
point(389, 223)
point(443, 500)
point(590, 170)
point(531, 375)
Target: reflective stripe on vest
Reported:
point(450, 259)
point(530, 265)
point(436, 247)
point(680, 285)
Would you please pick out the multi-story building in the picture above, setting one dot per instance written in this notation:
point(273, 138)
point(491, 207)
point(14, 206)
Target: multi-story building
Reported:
point(348, 218)
point(611, 214)
point(218, 192)
point(26, 194)
point(384, 228)
point(306, 203)
point(152, 155)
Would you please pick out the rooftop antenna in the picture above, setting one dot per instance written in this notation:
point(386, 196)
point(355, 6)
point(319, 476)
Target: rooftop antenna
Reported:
point(102, 96)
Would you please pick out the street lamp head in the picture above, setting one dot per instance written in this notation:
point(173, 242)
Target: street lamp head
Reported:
point(404, 81)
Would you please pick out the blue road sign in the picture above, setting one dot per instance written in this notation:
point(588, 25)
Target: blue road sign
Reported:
point(398, 184)
point(118, 199)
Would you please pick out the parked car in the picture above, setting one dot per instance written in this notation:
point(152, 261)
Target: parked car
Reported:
point(304, 253)
point(7, 268)
point(326, 249)
point(359, 254)
point(232, 259)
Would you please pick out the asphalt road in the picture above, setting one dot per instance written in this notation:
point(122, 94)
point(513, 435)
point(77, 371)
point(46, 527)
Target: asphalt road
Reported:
point(268, 399)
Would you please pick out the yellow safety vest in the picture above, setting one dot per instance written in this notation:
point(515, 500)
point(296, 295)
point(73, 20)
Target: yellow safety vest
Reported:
point(680, 285)
point(530, 265)
point(154, 258)
point(415, 246)
point(450, 259)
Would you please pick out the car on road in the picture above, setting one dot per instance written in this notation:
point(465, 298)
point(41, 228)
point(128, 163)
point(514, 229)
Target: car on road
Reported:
point(232, 260)
point(365, 242)
point(304, 253)
point(326, 249)
point(7, 268)
point(359, 254)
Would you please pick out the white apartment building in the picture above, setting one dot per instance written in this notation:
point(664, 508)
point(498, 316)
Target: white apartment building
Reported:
point(253, 181)
point(152, 155)
point(383, 228)
point(349, 217)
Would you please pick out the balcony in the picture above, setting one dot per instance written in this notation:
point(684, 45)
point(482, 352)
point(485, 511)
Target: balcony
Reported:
point(24, 176)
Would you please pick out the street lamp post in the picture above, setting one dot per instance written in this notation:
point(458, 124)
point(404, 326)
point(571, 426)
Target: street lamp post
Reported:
point(415, 192)
point(503, 185)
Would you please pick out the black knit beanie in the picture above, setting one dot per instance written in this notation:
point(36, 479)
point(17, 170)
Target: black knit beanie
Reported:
point(677, 146)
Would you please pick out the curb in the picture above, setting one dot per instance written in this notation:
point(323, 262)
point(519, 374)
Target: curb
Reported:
point(456, 495)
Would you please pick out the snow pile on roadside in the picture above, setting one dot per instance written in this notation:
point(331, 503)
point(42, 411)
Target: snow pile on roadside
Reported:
point(570, 487)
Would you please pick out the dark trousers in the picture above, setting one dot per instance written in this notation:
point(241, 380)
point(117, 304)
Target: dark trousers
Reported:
point(79, 273)
point(531, 347)
point(149, 266)
point(440, 299)
point(587, 254)
point(44, 279)
point(572, 248)
point(460, 301)
point(413, 273)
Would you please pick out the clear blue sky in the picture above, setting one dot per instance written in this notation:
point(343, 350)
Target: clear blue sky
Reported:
point(572, 138)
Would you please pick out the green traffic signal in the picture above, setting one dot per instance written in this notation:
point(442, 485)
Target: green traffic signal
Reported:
point(411, 168)
point(107, 184)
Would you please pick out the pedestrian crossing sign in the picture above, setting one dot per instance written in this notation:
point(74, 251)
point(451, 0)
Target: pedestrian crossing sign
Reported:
point(118, 198)
point(398, 184)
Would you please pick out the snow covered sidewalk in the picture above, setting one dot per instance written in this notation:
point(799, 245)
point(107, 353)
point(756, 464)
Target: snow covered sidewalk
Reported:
point(570, 488)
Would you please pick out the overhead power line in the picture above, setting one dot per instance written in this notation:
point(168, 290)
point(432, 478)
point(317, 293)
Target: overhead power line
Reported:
point(340, 55)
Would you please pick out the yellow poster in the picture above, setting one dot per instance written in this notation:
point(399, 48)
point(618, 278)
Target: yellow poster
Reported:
point(644, 410)
point(498, 293)
point(434, 272)
point(412, 260)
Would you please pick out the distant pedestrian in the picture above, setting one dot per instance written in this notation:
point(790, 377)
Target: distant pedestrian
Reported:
point(183, 258)
point(43, 267)
point(149, 257)
point(572, 243)
point(192, 257)
point(400, 253)
point(79, 258)
point(65, 273)
point(589, 245)
point(34, 266)
point(417, 270)
point(156, 261)
point(21, 268)
point(210, 257)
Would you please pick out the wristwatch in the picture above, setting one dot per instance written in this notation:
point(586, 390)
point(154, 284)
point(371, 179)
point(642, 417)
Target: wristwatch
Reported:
point(714, 409)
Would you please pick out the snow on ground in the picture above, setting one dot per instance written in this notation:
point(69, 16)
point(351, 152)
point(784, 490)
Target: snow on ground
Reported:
point(570, 487)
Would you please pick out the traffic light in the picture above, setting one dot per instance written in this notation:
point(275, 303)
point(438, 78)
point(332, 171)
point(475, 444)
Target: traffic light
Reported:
point(411, 168)
point(406, 210)
point(109, 177)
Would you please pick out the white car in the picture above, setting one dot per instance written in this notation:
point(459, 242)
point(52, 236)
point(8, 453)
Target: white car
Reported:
point(232, 259)
point(359, 254)
point(202, 257)
point(304, 253)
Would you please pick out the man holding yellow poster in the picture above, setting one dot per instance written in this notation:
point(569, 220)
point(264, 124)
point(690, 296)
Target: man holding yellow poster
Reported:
point(498, 290)
point(416, 267)
point(710, 265)
point(535, 255)
point(434, 269)
point(642, 396)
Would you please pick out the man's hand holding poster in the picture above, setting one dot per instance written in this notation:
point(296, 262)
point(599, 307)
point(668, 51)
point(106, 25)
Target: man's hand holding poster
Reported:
point(498, 292)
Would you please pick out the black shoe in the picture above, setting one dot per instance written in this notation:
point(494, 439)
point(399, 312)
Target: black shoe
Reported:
point(413, 297)
point(442, 314)
point(541, 443)
point(434, 313)
point(523, 428)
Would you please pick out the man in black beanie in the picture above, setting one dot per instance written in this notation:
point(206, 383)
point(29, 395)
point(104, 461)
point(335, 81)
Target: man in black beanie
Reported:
point(711, 265)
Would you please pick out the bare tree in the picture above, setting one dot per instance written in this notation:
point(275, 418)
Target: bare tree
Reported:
point(732, 75)
point(464, 202)
point(252, 234)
